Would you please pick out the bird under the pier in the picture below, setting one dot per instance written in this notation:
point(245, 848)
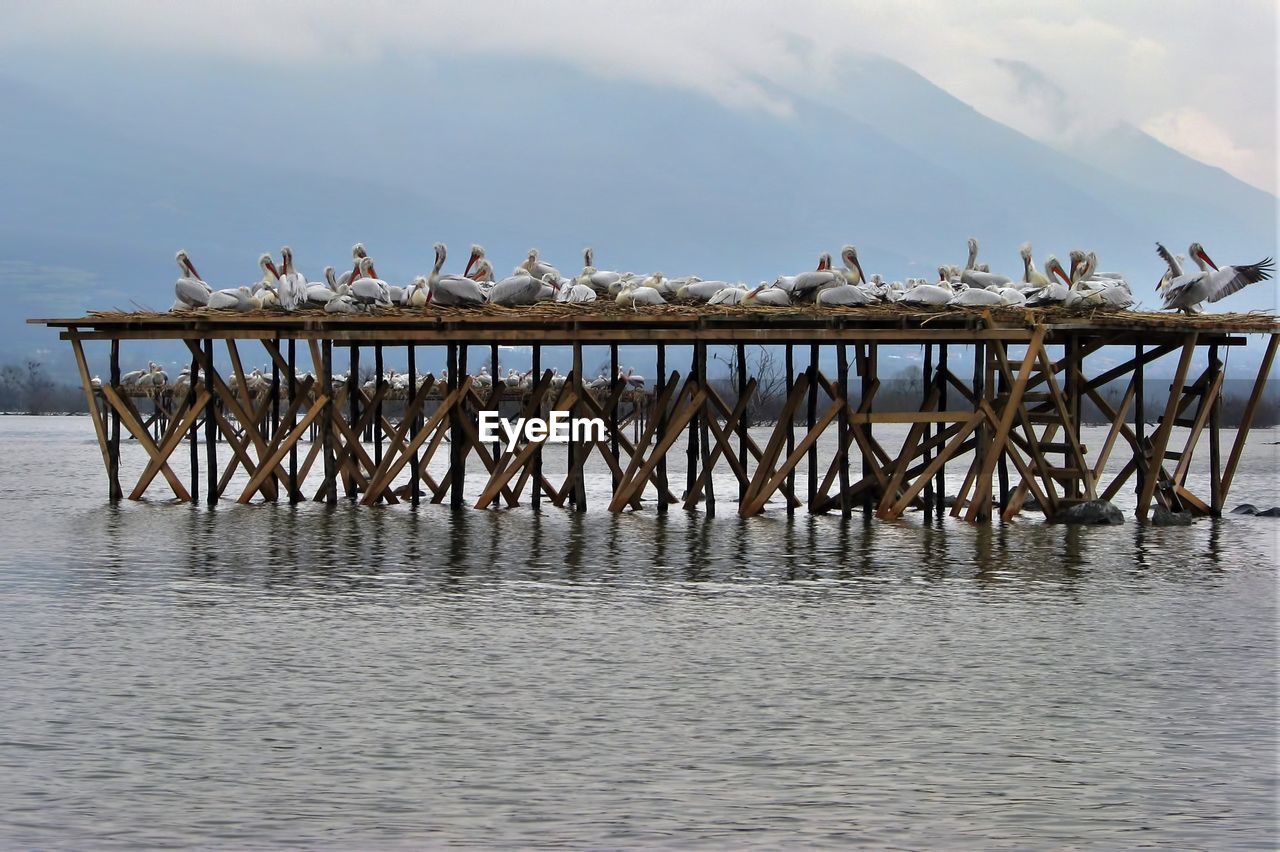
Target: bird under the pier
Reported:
point(1211, 283)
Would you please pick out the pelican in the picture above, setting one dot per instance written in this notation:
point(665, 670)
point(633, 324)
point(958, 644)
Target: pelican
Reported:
point(731, 295)
point(265, 289)
point(293, 285)
point(516, 290)
point(599, 279)
point(852, 272)
point(452, 290)
point(233, 299)
point(320, 294)
point(931, 294)
point(807, 283)
point(635, 295)
point(417, 294)
point(1211, 283)
point(657, 281)
point(357, 252)
point(477, 253)
point(845, 294)
point(341, 303)
point(764, 294)
point(482, 271)
point(369, 289)
point(191, 289)
point(133, 377)
point(537, 268)
point(1030, 275)
point(700, 291)
point(631, 378)
point(1053, 293)
point(576, 292)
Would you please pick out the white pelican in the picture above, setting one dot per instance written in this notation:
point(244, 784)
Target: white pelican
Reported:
point(599, 279)
point(731, 295)
point(700, 291)
point(576, 292)
point(1212, 283)
point(369, 289)
point(845, 294)
point(1030, 275)
point(930, 294)
point(477, 253)
point(633, 295)
point(233, 299)
point(852, 272)
point(537, 268)
point(320, 294)
point(357, 253)
point(452, 290)
point(764, 294)
point(341, 303)
point(630, 377)
point(516, 290)
point(191, 289)
point(1053, 293)
point(807, 283)
point(417, 294)
point(266, 289)
point(482, 271)
point(293, 285)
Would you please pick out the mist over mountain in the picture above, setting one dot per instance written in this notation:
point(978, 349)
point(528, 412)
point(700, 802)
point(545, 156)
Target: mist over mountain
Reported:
point(104, 182)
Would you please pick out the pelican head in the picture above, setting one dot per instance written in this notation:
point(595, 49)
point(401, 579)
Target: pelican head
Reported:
point(268, 265)
point(331, 277)
point(588, 256)
point(1053, 266)
point(357, 251)
point(1024, 251)
point(366, 267)
point(824, 260)
point(286, 258)
point(477, 252)
point(942, 273)
point(1197, 253)
point(440, 251)
point(185, 264)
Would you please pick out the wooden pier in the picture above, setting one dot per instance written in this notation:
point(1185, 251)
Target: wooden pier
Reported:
point(1014, 423)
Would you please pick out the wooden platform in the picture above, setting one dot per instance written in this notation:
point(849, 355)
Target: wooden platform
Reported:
point(1015, 422)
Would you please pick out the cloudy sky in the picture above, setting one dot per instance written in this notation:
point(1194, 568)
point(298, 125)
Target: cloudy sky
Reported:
point(1199, 76)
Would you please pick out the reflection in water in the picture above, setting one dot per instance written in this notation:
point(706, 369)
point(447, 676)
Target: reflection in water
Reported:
point(352, 677)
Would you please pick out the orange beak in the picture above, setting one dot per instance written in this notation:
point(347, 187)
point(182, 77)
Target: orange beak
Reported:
point(470, 263)
point(1207, 260)
point(355, 270)
point(373, 273)
point(1057, 270)
point(272, 267)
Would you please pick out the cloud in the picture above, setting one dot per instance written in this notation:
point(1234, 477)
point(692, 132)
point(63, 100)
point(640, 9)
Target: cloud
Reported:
point(1042, 66)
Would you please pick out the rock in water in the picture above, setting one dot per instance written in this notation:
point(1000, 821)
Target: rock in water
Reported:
point(1163, 517)
point(1097, 512)
point(1245, 509)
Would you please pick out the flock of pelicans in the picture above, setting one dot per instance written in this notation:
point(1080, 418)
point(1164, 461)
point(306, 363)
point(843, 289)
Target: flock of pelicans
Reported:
point(153, 380)
point(534, 281)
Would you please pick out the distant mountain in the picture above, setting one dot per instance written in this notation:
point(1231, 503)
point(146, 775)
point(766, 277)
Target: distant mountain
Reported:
point(104, 182)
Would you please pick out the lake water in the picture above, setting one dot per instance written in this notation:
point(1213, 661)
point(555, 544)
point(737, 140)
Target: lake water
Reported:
point(356, 678)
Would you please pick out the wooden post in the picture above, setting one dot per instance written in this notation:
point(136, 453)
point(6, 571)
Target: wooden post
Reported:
point(662, 426)
point(1215, 444)
point(210, 428)
point(1139, 421)
point(691, 448)
point(1246, 419)
point(614, 369)
point(193, 437)
point(275, 396)
point(535, 497)
point(791, 428)
point(984, 431)
point(814, 357)
point(1002, 468)
point(330, 462)
point(579, 489)
point(458, 465)
point(293, 417)
point(113, 445)
point(870, 377)
point(494, 388)
point(700, 356)
point(415, 483)
point(926, 383)
point(377, 416)
point(940, 479)
point(842, 429)
point(743, 424)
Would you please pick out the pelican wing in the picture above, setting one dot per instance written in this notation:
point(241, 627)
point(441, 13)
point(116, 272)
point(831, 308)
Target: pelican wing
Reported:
point(1224, 282)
